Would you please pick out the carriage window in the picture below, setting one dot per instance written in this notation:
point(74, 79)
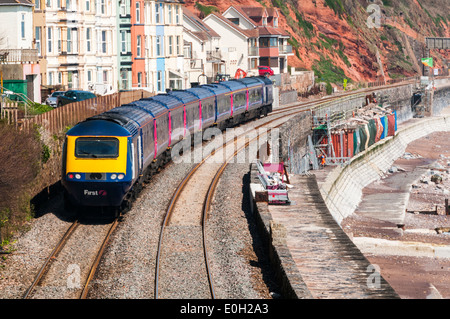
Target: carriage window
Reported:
point(97, 147)
point(239, 99)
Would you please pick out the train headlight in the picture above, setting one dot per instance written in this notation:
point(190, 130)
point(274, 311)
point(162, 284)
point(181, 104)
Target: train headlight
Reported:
point(113, 176)
point(121, 176)
point(78, 176)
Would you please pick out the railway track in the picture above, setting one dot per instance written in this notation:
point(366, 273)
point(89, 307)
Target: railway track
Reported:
point(182, 242)
point(189, 226)
point(54, 279)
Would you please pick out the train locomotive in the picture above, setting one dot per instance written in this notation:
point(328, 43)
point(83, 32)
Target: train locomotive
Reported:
point(107, 157)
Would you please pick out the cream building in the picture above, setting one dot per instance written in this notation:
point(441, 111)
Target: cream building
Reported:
point(81, 48)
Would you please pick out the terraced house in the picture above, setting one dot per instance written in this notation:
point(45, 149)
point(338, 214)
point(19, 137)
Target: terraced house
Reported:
point(80, 50)
point(163, 45)
point(104, 46)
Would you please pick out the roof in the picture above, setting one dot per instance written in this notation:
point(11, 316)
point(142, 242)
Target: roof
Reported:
point(231, 25)
point(15, 3)
point(252, 12)
point(205, 30)
point(267, 30)
point(200, 92)
point(184, 96)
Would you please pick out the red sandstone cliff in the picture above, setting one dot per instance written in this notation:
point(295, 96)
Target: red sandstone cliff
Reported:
point(333, 37)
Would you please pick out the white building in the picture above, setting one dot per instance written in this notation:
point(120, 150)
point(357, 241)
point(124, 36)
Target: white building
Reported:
point(81, 48)
point(164, 60)
point(237, 45)
point(202, 51)
point(18, 58)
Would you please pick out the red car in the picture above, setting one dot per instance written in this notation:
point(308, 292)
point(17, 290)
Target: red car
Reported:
point(265, 70)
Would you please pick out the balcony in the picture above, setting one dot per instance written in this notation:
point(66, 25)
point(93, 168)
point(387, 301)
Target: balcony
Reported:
point(212, 56)
point(253, 51)
point(285, 49)
point(9, 56)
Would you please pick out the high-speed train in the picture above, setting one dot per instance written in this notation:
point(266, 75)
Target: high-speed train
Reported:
point(107, 157)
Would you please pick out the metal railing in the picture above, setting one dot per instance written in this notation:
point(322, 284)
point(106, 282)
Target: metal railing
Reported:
point(253, 51)
point(285, 49)
point(213, 55)
point(18, 55)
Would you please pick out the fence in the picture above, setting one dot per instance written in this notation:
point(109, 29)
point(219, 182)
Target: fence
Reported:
point(9, 112)
point(59, 118)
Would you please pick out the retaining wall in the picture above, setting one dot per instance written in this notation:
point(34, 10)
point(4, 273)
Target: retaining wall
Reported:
point(287, 274)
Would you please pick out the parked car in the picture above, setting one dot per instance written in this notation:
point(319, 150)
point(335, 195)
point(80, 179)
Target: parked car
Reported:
point(265, 70)
point(51, 99)
point(73, 96)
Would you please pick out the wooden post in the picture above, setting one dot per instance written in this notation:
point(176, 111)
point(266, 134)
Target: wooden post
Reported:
point(447, 208)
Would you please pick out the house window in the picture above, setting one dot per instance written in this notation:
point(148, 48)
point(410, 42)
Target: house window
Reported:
point(157, 13)
point(59, 77)
point(50, 78)
point(139, 78)
point(69, 40)
point(170, 45)
point(159, 80)
point(49, 39)
point(58, 33)
point(88, 39)
point(102, 6)
point(38, 40)
point(88, 5)
point(58, 4)
point(103, 42)
point(178, 45)
point(123, 8)
point(89, 75)
point(170, 13)
point(158, 46)
point(70, 79)
point(268, 42)
point(49, 3)
point(124, 78)
point(138, 46)
point(37, 4)
point(138, 12)
point(234, 20)
point(177, 14)
point(123, 41)
point(22, 26)
point(275, 22)
point(105, 77)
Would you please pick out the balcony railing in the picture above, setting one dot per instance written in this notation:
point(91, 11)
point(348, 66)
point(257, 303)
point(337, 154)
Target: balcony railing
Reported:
point(213, 55)
point(18, 56)
point(253, 51)
point(285, 49)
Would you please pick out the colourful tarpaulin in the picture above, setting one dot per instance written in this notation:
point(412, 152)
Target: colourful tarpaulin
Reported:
point(385, 126)
point(391, 124)
point(372, 132)
point(356, 141)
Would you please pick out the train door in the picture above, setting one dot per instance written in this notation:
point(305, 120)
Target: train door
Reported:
point(140, 153)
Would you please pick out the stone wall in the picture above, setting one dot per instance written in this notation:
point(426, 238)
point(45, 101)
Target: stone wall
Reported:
point(293, 136)
point(287, 274)
point(399, 99)
point(300, 81)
